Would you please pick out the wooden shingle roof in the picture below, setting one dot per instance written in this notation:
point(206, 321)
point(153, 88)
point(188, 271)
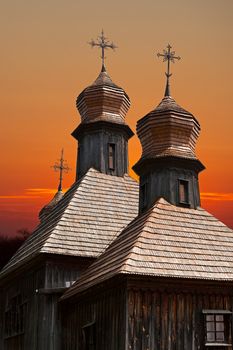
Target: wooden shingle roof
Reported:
point(166, 241)
point(103, 101)
point(85, 221)
point(168, 130)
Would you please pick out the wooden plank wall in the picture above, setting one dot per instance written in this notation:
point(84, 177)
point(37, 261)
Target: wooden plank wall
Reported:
point(42, 319)
point(164, 183)
point(58, 273)
point(93, 152)
point(26, 286)
point(163, 320)
point(107, 309)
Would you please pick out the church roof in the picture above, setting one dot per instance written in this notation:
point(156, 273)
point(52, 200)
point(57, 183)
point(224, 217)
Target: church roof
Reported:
point(166, 241)
point(85, 221)
point(104, 79)
point(168, 104)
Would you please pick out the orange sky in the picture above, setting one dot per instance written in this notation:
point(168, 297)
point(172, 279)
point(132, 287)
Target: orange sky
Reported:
point(46, 62)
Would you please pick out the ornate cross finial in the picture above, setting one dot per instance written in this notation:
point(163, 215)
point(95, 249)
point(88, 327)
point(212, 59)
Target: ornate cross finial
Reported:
point(103, 43)
point(61, 167)
point(168, 56)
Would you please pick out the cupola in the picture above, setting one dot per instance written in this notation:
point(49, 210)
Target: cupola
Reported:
point(60, 166)
point(103, 101)
point(103, 133)
point(168, 130)
point(168, 166)
point(46, 210)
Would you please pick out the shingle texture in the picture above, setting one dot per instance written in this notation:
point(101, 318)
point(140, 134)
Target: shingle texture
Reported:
point(168, 130)
point(103, 100)
point(85, 221)
point(166, 241)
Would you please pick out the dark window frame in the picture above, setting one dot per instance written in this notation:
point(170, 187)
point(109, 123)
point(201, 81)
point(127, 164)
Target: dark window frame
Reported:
point(15, 317)
point(144, 195)
point(183, 198)
point(217, 325)
point(111, 156)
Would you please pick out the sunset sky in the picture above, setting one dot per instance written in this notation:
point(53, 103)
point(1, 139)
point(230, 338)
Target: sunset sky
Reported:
point(46, 62)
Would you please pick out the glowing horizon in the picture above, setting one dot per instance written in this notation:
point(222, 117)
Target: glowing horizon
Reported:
point(46, 62)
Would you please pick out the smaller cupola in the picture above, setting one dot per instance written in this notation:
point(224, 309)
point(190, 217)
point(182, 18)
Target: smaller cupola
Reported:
point(46, 210)
point(62, 167)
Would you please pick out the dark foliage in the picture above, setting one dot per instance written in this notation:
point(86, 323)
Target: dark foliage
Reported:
point(9, 245)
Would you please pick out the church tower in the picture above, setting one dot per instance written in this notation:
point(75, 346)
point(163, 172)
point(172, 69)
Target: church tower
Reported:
point(168, 166)
point(103, 134)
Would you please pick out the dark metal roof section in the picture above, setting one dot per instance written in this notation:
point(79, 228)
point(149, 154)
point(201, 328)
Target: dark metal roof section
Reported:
point(85, 221)
point(166, 241)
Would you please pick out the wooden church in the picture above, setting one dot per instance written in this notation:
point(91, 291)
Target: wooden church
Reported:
point(109, 268)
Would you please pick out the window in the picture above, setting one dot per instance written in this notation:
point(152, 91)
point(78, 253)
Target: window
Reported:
point(183, 192)
point(111, 156)
point(144, 196)
point(15, 316)
point(79, 151)
point(217, 327)
point(89, 336)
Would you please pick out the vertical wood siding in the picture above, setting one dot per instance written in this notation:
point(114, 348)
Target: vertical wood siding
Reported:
point(93, 152)
point(25, 286)
point(163, 320)
point(107, 310)
point(42, 327)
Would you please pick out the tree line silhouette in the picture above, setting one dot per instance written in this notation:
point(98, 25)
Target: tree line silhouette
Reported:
point(9, 245)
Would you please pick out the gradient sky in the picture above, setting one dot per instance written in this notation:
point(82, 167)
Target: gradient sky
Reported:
point(46, 63)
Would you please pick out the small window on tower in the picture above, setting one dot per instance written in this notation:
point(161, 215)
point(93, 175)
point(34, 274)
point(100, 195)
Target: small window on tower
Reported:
point(144, 196)
point(183, 192)
point(111, 156)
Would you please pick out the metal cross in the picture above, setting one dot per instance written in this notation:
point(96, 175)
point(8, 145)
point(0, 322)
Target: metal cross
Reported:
point(103, 43)
point(168, 56)
point(61, 167)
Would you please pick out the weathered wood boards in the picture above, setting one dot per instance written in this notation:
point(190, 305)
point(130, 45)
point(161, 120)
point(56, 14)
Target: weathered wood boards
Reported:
point(145, 314)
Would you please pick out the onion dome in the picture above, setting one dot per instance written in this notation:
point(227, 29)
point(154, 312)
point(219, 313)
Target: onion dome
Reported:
point(168, 130)
point(45, 211)
point(103, 101)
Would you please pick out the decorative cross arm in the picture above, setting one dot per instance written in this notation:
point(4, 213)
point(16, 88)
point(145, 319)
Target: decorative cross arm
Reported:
point(168, 56)
point(62, 167)
point(103, 43)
